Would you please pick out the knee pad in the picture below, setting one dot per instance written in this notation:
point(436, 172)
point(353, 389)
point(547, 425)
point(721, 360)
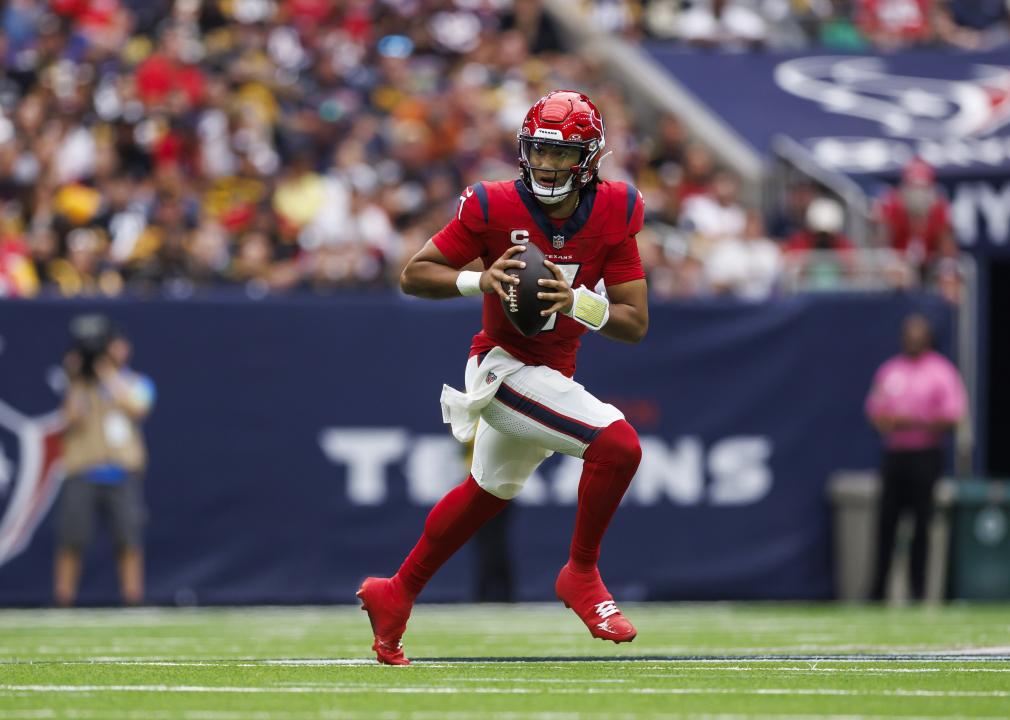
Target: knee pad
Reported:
point(504, 488)
point(616, 445)
point(502, 463)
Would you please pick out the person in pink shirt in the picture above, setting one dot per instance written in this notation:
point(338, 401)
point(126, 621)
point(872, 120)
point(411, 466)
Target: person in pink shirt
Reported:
point(917, 397)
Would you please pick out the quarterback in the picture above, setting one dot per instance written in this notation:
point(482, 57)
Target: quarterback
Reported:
point(520, 403)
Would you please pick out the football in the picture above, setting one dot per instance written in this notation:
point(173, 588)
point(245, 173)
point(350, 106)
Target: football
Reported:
point(523, 307)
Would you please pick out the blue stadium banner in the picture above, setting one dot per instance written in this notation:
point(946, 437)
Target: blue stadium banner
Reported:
point(297, 445)
point(867, 115)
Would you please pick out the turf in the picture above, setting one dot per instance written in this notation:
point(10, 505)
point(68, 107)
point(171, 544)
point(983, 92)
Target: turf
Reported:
point(507, 662)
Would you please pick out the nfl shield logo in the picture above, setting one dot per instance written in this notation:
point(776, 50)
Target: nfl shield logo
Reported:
point(558, 242)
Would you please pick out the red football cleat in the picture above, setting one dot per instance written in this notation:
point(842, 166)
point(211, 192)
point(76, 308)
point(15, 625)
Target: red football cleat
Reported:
point(388, 609)
point(585, 593)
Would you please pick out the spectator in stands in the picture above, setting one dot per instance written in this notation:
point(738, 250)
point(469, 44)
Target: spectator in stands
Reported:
point(104, 456)
point(43, 247)
point(894, 24)
point(714, 215)
point(747, 267)
point(661, 174)
point(529, 18)
point(668, 146)
point(209, 256)
point(819, 256)
point(791, 217)
point(17, 272)
point(914, 219)
point(973, 24)
point(254, 263)
point(166, 78)
point(730, 24)
point(838, 29)
point(84, 270)
point(122, 217)
point(916, 398)
point(168, 267)
point(698, 172)
point(675, 269)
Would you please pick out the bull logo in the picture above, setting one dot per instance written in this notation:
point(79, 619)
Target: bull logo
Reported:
point(915, 108)
point(30, 476)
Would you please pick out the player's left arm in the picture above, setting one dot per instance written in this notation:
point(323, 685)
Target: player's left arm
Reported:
point(629, 312)
point(624, 279)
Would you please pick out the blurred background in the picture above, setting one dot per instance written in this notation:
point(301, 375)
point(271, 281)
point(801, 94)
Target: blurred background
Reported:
point(236, 185)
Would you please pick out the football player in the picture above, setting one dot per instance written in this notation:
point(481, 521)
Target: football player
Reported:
point(520, 402)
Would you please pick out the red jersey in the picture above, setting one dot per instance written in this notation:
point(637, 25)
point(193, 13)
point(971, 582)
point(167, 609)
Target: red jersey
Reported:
point(596, 243)
point(919, 239)
point(908, 19)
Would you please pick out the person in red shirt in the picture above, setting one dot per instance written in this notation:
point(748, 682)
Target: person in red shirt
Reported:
point(165, 74)
point(914, 218)
point(521, 403)
point(17, 274)
point(890, 24)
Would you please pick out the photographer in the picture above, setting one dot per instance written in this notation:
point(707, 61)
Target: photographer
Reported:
point(104, 456)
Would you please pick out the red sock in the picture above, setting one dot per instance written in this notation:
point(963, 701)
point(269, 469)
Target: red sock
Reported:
point(453, 520)
point(609, 464)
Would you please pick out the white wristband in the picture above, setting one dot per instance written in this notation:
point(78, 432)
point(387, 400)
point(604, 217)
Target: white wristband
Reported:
point(589, 309)
point(468, 283)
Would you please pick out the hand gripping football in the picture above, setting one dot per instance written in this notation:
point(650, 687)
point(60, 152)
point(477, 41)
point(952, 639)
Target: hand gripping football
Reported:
point(523, 307)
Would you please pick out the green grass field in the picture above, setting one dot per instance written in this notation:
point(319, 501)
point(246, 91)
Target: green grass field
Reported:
point(507, 662)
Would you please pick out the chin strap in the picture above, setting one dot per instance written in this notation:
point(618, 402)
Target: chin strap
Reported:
point(589, 308)
point(549, 198)
point(551, 195)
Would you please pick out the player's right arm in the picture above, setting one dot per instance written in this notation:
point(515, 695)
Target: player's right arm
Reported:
point(436, 271)
point(430, 274)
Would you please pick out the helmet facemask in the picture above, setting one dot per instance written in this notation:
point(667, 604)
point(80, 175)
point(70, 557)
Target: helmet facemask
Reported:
point(580, 168)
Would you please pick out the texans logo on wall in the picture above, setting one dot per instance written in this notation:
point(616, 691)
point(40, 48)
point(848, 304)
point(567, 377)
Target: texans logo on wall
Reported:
point(867, 116)
point(30, 476)
point(949, 122)
point(862, 114)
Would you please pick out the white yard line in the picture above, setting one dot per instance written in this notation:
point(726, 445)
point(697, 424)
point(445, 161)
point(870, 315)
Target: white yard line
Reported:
point(429, 690)
point(77, 714)
point(814, 670)
point(80, 714)
point(69, 714)
point(872, 664)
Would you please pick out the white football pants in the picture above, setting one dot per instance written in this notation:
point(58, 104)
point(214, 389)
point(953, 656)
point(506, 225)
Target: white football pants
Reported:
point(535, 412)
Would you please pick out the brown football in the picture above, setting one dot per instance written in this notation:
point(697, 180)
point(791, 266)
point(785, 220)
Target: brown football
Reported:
point(523, 307)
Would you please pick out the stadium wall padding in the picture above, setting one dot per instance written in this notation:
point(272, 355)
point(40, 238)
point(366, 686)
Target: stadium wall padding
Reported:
point(297, 444)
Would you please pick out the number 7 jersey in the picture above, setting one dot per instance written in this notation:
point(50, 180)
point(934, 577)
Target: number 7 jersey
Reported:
point(596, 243)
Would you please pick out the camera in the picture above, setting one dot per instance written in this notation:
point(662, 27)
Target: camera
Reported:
point(90, 336)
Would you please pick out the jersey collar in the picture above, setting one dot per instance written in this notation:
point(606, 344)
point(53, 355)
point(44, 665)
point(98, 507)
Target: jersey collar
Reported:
point(558, 236)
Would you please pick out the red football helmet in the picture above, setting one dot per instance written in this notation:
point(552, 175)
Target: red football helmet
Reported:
point(561, 119)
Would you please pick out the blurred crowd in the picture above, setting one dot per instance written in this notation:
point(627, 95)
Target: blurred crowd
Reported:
point(846, 25)
point(172, 146)
point(700, 240)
